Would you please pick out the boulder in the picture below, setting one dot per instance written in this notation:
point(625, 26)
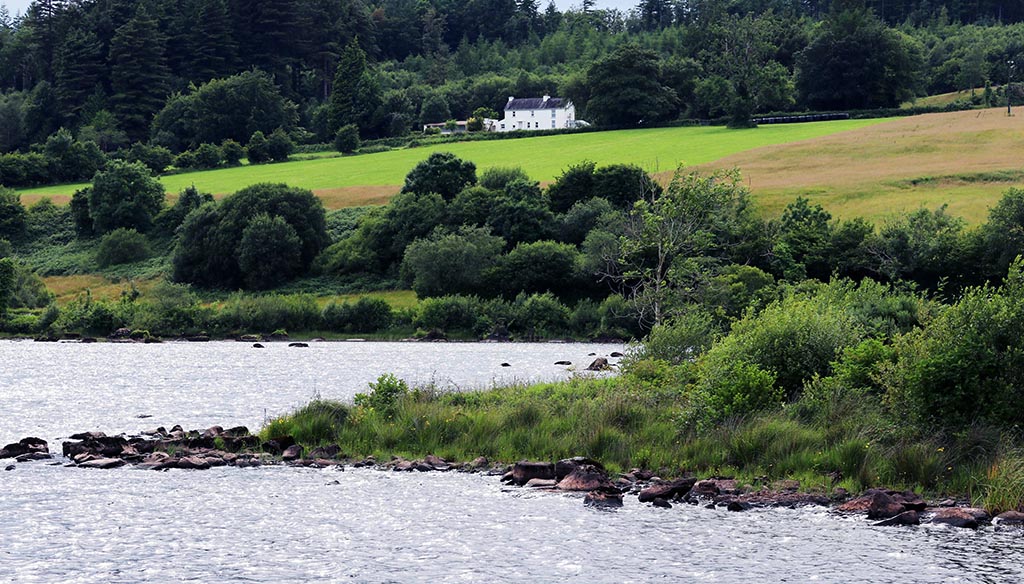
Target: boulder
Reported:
point(299, 345)
point(659, 502)
point(884, 506)
point(212, 432)
point(198, 339)
point(906, 518)
point(738, 506)
point(524, 470)
point(103, 463)
point(10, 467)
point(565, 466)
point(193, 463)
point(477, 463)
point(615, 354)
point(257, 346)
point(541, 483)
point(707, 488)
point(667, 489)
point(1010, 518)
point(436, 462)
point(787, 485)
point(956, 517)
point(604, 498)
point(563, 362)
point(293, 452)
point(599, 364)
point(586, 478)
point(24, 446)
point(249, 338)
point(404, 466)
point(330, 451)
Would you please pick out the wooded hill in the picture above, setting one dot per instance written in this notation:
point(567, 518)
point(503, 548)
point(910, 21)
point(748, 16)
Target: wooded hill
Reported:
point(117, 71)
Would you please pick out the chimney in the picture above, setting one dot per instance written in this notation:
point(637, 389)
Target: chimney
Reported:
point(547, 97)
point(511, 97)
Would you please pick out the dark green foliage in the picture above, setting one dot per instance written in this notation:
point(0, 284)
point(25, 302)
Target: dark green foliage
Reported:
point(449, 313)
point(575, 184)
point(13, 217)
point(124, 195)
point(121, 246)
point(584, 217)
point(138, 72)
point(472, 206)
point(210, 248)
point(521, 214)
point(279, 145)
point(79, 70)
point(855, 61)
point(355, 95)
point(625, 88)
point(802, 245)
point(442, 173)
point(155, 158)
point(232, 151)
point(623, 184)
point(1003, 234)
point(171, 217)
point(233, 108)
point(451, 263)
point(70, 160)
point(542, 266)
point(366, 315)
point(208, 156)
point(256, 149)
point(497, 178)
point(346, 139)
point(540, 315)
point(247, 313)
point(79, 206)
point(7, 274)
point(269, 252)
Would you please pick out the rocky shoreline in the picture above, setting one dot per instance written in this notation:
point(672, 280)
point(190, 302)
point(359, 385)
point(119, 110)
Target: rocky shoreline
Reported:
point(162, 449)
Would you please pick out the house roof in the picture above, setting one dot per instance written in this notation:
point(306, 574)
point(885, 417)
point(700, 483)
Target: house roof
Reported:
point(536, 103)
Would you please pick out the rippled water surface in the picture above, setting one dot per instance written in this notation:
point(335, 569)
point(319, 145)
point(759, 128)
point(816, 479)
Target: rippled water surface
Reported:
point(277, 524)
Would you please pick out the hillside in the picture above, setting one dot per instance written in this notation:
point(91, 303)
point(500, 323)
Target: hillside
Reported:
point(371, 178)
point(963, 159)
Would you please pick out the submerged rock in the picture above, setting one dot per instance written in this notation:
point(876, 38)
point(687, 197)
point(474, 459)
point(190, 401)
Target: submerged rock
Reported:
point(102, 463)
point(609, 498)
point(1010, 518)
point(586, 478)
point(667, 490)
point(956, 517)
point(29, 445)
point(906, 518)
point(565, 466)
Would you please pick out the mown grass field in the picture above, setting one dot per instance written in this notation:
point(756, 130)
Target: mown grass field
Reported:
point(372, 178)
point(964, 159)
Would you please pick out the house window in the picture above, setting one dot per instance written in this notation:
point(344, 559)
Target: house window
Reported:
point(552, 123)
point(513, 114)
point(531, 113)
point(503, 126)
point(552, 114)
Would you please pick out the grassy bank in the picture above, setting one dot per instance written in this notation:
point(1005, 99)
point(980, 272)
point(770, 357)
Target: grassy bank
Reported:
point(633, 420)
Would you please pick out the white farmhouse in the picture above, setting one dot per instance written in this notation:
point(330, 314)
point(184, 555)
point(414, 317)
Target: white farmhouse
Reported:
point(538, 113)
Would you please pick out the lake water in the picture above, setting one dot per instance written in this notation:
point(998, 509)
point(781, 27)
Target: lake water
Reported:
point(276, 524)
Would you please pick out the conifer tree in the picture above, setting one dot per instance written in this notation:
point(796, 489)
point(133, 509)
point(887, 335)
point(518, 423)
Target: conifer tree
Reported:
point(213, 50)
point(356, 94)
point(79, 71)
point(139, 75)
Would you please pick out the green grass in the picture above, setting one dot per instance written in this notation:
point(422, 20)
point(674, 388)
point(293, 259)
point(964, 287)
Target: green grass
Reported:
point(543, 158)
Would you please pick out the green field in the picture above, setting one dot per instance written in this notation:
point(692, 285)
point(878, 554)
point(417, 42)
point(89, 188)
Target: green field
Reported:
point(543, 158)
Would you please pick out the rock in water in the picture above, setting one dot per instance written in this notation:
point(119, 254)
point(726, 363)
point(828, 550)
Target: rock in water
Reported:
point(103, 463)
point(1010, 518)
point(586, 478)
point(293, 452)
point(906, 518)
point(667, 490)
point(956, 517)
point(524, 470)
point(604, 498)
point(599, 364)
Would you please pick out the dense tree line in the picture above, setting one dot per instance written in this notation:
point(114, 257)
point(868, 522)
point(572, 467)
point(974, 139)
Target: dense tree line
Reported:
point(181, 73)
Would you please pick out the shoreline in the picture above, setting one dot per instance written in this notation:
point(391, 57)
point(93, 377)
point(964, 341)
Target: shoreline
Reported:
point(177, 449)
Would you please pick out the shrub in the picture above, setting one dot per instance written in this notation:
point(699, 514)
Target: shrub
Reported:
point(740, 389)
point(448, 313)
point(208, 156)
point(347, 139)
point(155, 158)
point(256, 150)
point(269, 252)
point(186, 160)
point(121, 246)
point(232, 152)
point(13, 217)
point(279, 145)
point(269, 313)
point(497, 178)
point(684, 338)
point(384, 395)
point(370, 315)
point(442, 173)
point(124, 195)
point(541, 315)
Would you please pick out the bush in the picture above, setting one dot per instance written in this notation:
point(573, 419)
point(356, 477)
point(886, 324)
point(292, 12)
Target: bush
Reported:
point(121, 246)
point(208, 156)
point(740, 389)
point(370, 315)
point(124, 195)
point(256, 150)
point(186, 160)
point(13, 217)
point(541, 315)
point(155, 158)
point(451, 263)
point(346, 139)
point(442, 173)
point(269, 313)
point(497, 178)
point(279, 146)
point(384, 395)
point(448, 313)
point(684, 338)
point(232, 152)
point(269, 252)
